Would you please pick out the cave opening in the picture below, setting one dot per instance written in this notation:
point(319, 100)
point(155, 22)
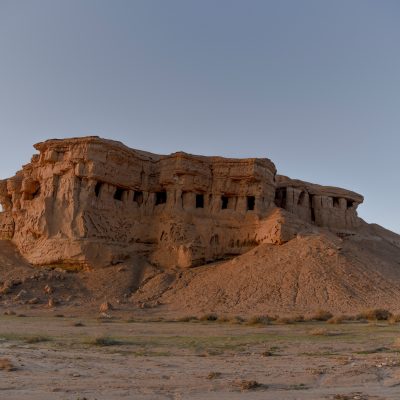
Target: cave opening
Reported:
point(251, 202)
point(161, 197)
point(97, 188)
point(312, 208)
point(302, 199)
point(224, 204)
point(199, 201)
point(138, 197)
point(118, 194)
point(280, 197)
point(336, 202)
point(350, 203)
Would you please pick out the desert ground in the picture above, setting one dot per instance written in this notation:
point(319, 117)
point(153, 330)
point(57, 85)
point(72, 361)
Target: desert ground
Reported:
point(49, 355)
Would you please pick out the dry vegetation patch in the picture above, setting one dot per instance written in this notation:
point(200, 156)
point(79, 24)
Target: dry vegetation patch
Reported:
point(7, 365)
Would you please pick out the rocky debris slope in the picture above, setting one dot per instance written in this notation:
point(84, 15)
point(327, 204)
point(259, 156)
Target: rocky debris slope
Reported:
point(310, 272)
point(22, 284)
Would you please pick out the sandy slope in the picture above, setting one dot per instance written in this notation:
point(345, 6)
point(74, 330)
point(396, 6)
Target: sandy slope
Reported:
point(307, 273)
point(313, 271)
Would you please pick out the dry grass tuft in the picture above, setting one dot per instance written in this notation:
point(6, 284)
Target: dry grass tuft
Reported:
point(214, 375)
point(396, 343)
point(7, 365)
point(36, 339)
point(321, 315)
point(290, 320)
point(259, 320)
point(187, 318)
point(236, 320)
point(378, 314)
point(209, 317)
point(394, 319)
point(249, 385)
point(338, 319)
point(104, 341)
point(319, 332)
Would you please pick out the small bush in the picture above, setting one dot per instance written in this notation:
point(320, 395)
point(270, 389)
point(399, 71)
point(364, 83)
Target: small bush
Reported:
point(338, 319)
point(187, 318)
point(236, 320)
point(290, 320)
point(259, 320)
point(7, 365)
point(267, 353)
point(378, 314)
point(319, 332)
point(36, 339)
point(209, 317)
point(78, 324)
point(394, 319)
point(249, 385)
point(214, 375)
point(104, 341)
point(321, 315)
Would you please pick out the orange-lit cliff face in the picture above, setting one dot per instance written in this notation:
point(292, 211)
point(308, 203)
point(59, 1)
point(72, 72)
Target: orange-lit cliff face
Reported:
point(89, 202)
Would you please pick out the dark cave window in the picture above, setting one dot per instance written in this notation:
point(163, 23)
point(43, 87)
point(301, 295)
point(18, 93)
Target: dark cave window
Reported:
point(302, 199)
point(312, 208)
point(280, 197)
point(336, 202)
point(118, 194)
point(161, 197)
point(199, 201)
point(97, 189)
point(225, 200)
point(350, 203)
point(138, 197)
point(251, 201)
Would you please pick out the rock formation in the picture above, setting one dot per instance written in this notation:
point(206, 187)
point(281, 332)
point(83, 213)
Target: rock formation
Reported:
point(89, 202)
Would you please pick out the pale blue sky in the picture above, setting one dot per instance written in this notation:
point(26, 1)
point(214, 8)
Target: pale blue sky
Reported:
point(312, 84)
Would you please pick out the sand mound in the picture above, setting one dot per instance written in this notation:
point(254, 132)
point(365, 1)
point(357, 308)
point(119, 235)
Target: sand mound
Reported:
point(319, 271)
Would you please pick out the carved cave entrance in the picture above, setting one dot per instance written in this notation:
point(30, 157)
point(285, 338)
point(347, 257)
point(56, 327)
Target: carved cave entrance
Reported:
point(161, 197)
point(280, 197)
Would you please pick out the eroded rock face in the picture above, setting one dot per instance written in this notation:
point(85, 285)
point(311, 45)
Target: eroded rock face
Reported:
point(324, 206)
point(89, 202)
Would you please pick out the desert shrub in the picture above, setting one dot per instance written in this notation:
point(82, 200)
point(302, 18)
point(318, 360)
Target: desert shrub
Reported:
point(78, 324)
point(290, 319)
point(259, 320)
point(285, 320)
point(321, 315)
point(36, 339)
point(394, 319)
point(396, 343)
point(103, 341)
point(209, 317)
point(236, 320)
point(6, 365)
point(249, 385)
point(187, 318)
point(214, 375)
point(319, 332)
point(338, 319)
point(378, 314)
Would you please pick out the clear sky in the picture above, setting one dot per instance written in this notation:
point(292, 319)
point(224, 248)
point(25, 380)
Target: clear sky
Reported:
point(312, 84)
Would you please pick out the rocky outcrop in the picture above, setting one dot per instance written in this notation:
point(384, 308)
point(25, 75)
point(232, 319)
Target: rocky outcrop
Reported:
point(324, 206)
point(89, 202)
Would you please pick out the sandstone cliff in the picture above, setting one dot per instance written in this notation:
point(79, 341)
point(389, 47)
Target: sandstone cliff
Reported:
point(131, 223)
point(89, 202)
